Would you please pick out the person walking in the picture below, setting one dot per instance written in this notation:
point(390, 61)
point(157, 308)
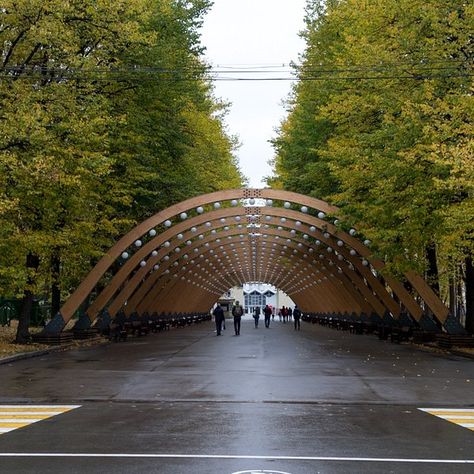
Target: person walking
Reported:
point(284, 313)
point(297, 317)
point(290, 314)
point(237, 312)
point(219, 318)
point(256, 315)
point(267, 311)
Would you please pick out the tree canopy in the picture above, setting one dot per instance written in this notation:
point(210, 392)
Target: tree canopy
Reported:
point(381, 124)
point(107, 115)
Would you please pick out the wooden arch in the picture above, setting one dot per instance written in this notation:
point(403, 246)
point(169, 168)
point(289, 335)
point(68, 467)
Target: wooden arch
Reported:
point(182, 259)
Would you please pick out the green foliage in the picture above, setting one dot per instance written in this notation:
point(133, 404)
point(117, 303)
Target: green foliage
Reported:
point(89, 146)
point(381, 124)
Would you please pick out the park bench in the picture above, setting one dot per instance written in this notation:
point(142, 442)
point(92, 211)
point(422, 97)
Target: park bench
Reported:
point(400, 334)
point(117, 333)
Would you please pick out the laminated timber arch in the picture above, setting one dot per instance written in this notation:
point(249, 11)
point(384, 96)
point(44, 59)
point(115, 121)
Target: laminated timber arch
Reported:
point(182, 259)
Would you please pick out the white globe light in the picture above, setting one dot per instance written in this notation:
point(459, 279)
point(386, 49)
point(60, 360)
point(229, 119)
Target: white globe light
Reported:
point(166, 244)
point(326, 235)
point(125, 255)
point(200, 210)
point(193, 229)
point(179, 236)
point(251, 201)
point(208, 224)
point(217, 205)
point(237, 218)
point(177, 250)
point(188, 242)
point(283, 220)
point(152, 233)
point(367, 242)
point(142, 263)
point(269, 202)
point(222, 220)
point(305, 236)
point(352, 232)
point(365, 263)
point(312, 228)
point(156, 267)
point(166, 258)
point(340, 243)
point(167, 223)
point(287, 205)
point(353, 252)
point(304, 209)
point(268, 218)
point(154, 253)
point(234, 202)
point(321, 215)
point(138, 243)
point(183, 216)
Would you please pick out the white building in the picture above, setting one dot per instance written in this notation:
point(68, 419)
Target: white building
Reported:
point(256, 294)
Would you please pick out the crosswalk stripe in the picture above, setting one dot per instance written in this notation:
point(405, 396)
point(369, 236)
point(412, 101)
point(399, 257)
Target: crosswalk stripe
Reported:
point(459, 416)
point(37, 408)
point(9, 416)
point(13, 417)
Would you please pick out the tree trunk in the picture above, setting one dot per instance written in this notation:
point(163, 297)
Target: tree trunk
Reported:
point(432, 269)
point(469, 295)
point(23, 333)
point(55, 288)
point(453, 309)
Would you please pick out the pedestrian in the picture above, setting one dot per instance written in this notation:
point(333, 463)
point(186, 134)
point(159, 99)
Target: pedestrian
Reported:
point(297, 317)
point(290, 314)
point(237, 312)
point(273, 312)
point(284, 313)
point(219, 318)
point(256, 315)
point(267, 311)
point(279, 314)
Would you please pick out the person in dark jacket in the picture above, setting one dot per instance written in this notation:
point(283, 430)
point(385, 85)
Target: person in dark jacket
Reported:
point(256, 315)
point(237, 312)
point(219, 318)
point(297, 317)
point(267, 311)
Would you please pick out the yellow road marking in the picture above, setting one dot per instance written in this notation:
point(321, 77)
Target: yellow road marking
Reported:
point(35, 410)
point(24, 417)
point(18, 416)
point(13, 425)
point(463, 417)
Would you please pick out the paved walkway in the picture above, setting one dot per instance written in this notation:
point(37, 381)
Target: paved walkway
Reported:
point(269, 400)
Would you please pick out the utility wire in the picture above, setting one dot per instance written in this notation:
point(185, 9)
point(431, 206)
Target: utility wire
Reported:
point(394, 71)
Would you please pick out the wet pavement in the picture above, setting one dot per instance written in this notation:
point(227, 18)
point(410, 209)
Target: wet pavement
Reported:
point(270, 400)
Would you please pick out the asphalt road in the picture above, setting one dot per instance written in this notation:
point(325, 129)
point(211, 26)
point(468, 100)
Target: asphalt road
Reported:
point(270, 400)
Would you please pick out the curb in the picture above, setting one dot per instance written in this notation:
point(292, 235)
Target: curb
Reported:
point(39, 353)
point(456, 352)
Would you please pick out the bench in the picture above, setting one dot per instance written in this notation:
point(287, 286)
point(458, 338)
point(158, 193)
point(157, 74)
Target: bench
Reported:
point(400, 334)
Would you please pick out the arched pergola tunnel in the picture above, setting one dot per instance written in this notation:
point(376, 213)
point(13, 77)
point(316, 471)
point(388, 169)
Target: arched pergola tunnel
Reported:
point(182, 260)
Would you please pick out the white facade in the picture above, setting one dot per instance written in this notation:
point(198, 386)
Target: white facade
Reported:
point(259, 294)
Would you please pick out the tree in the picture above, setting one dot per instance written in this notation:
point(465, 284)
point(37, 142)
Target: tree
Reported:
point(389, 81)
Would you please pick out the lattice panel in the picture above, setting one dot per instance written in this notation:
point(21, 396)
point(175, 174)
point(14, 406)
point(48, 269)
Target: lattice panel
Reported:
point(252, 193)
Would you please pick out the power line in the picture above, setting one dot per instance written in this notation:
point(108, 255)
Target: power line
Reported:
point(453, 69)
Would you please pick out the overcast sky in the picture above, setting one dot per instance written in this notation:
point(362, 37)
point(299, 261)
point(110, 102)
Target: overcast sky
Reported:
point(246, 33)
